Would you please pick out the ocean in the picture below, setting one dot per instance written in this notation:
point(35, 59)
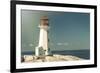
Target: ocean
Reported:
point(85, 54)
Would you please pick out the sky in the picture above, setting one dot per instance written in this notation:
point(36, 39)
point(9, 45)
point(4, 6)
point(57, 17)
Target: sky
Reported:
point(67, 30)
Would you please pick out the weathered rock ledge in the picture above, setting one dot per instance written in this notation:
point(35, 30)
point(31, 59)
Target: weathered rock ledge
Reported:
point(51, 58)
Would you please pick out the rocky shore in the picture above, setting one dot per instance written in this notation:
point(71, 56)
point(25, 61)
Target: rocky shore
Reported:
point(50, 58)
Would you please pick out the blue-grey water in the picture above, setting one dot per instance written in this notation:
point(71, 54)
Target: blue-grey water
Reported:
point(85, 54)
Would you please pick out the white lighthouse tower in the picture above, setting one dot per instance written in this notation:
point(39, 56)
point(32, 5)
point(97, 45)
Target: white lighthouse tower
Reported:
point(42, 48)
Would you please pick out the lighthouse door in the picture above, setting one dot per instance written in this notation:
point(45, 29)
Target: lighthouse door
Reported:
point(41, 51)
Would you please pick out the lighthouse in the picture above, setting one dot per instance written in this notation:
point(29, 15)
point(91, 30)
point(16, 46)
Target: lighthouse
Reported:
point(42, 48)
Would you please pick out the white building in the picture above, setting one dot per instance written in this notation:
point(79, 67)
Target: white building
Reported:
point(42, 48)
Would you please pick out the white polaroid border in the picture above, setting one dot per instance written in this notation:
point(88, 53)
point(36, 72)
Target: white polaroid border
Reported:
point(20, 65)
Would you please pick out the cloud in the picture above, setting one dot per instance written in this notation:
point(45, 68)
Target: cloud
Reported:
point(62, 44)
point(59, 44)
point(31, 45)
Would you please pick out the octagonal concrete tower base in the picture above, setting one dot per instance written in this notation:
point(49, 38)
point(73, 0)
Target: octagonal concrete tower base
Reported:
point(42, 48)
